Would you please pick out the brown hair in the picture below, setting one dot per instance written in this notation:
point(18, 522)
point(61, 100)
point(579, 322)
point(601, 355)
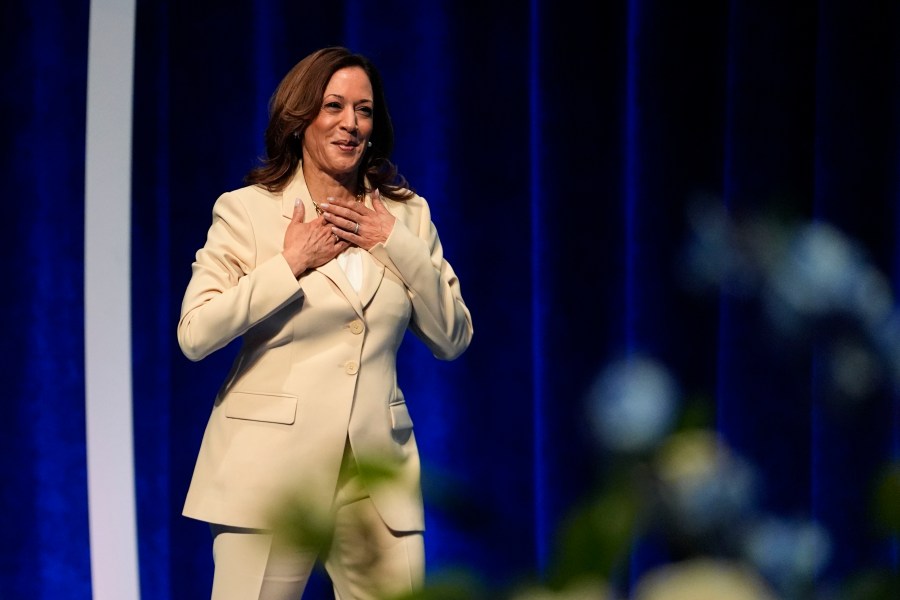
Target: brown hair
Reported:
point(296, 103)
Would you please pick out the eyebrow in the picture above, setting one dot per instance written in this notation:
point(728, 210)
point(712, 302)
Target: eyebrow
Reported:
point(341, 97)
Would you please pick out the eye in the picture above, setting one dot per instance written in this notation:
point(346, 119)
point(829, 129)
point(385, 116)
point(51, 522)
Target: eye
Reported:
point(365, 110)
point(333, 105)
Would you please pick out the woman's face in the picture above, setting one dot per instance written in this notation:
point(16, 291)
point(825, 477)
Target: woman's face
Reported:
point(336, 139)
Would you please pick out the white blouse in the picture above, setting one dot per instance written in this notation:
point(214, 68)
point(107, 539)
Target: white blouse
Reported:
point(350, 261)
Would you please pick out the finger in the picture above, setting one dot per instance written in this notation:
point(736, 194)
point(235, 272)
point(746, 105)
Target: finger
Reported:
point(346, 209)
point(351, 225)
point(345, 234)
point(344, 222)
point(299, 211)
point(378, 203)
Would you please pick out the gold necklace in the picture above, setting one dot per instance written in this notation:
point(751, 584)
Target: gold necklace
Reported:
point(319, 211)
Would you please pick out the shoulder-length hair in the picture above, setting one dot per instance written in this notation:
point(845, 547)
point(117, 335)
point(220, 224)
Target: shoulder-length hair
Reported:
point(296, 103)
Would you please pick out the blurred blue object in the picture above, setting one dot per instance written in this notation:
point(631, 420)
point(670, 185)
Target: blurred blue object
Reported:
point(790, 553)
point(633, 404)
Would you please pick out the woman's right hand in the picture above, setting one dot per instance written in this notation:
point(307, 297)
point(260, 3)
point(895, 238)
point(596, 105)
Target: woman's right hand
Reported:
point(309, 245)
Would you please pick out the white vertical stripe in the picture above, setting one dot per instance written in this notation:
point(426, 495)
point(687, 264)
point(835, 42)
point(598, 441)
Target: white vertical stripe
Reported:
point(107, 301)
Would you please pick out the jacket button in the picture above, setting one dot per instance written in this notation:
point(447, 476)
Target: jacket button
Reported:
point(356, 327)
point(351, 367)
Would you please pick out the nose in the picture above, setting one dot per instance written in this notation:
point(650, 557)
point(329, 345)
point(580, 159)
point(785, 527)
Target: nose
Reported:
point(348, 119)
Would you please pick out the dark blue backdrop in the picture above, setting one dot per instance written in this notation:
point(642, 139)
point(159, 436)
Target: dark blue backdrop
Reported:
point(560, 148)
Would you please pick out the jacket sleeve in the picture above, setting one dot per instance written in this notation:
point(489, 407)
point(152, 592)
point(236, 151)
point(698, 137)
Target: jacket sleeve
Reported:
point(230, 291)
point(413, 252)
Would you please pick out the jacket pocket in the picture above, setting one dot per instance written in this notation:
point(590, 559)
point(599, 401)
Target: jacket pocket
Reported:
point(400, 418)
point(268, 408)
point(401, 423)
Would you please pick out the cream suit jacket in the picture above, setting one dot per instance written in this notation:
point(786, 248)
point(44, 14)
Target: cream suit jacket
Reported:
point(318, 359)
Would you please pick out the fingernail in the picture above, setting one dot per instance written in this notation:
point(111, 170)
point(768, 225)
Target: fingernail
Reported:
point(296, 201)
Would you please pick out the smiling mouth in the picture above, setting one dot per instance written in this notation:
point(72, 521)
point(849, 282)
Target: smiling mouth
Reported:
point(346, 144)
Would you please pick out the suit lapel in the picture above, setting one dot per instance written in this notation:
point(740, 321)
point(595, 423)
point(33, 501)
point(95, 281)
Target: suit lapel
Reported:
point(333, 271)
point(373, 272)
point(297, 189)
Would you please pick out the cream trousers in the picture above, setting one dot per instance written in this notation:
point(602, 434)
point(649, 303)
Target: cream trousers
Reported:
point(365, 559)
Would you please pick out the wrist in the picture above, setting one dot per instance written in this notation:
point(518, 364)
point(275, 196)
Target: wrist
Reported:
point(296, 263)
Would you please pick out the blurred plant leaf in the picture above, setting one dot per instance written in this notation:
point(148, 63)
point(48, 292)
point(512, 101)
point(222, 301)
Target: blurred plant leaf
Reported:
point(300, 524)
point(875, 584)
point(596, 537)
point(696, 413)
point(887, 499)
point(456, 584)
point(374, 472)
point(584, 589)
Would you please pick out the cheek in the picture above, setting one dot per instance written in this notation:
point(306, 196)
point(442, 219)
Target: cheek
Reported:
point(314, 136)
point(313, 145)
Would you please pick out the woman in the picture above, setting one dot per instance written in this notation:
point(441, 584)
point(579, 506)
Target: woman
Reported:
point(320, 265)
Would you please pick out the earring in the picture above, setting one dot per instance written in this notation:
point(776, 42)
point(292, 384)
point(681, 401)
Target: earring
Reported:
point(297, 135)
point(369, 144)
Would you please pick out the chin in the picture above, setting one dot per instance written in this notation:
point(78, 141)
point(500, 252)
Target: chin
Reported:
point(347, 165)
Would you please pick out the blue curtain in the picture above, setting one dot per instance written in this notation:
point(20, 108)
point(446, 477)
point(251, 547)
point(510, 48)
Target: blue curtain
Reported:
point(562, 150)
point(43, 460)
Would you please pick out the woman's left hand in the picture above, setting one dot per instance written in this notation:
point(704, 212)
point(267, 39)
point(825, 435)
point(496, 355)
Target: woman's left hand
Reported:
point(358, 224)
